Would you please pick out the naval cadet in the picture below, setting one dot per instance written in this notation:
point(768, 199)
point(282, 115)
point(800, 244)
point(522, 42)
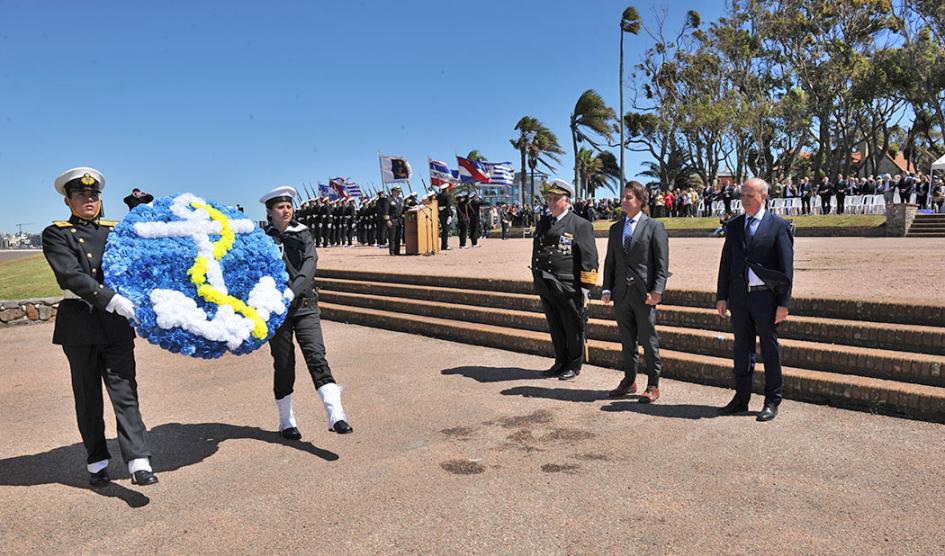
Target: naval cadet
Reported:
point(93, 329)
point(445, 215)
point(564, 269)
point(300, 256)
point(393, 220)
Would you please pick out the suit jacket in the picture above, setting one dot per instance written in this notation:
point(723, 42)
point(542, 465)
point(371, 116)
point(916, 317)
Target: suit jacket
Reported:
point(647, 261)
point(564, 255)
point(770, 254)
point(74, 249)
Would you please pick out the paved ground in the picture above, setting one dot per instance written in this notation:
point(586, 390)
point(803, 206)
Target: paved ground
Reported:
point(9, 254)
point(883, 269)
point(457, 449)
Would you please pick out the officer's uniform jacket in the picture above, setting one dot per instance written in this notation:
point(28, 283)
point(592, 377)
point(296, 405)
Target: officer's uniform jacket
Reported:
point(564, 255)
point(300, 257)
point(74, 249)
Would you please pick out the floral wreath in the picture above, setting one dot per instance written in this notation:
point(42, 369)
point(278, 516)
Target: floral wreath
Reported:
point(204, 279)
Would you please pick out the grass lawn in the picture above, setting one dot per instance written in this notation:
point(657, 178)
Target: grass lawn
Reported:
point(26, 277)
point(814, 221)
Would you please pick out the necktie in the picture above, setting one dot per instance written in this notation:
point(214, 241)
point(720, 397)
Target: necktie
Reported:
point(749, 228)
point(627, 235)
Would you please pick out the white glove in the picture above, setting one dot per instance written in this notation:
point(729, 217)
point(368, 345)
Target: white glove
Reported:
point(123, 306)
point(586, 293)
point(449, 220)
point(288, 295)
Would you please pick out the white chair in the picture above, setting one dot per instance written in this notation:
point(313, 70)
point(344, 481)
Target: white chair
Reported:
point(717, 208)
point(854, 204)
point(776, 206)
point(796, 206)
point(815, 204)
point(879, 204)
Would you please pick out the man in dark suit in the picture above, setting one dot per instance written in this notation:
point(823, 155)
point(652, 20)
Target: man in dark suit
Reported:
point(564, 269)
point(635, 271)
point(756, 275)
point(93, 329)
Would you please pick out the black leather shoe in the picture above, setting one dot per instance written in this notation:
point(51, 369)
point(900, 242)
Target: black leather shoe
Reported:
point(291, 433)
point(100, 479)
point(342, 427)
point(554, 371)
point(733, 407)
point(569, 375)
point(768, 412)
point(143, 478)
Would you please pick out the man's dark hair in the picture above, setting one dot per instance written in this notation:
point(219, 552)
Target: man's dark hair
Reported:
point(640, 193)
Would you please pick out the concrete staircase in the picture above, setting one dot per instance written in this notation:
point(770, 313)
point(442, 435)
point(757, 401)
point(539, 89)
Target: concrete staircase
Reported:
point(927, 225)
point(871, 356)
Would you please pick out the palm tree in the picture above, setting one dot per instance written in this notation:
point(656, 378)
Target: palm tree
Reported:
point(590, 114)
point(629, 23)
point(527, 128)
point(598, 170)
point(544, 149)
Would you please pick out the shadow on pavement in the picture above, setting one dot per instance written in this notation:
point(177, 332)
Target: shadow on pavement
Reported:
point(679, 411)
point(174, 445)
point(493, 374)
point(565, 394)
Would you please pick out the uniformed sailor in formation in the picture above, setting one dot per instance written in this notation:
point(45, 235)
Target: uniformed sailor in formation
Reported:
point(93, 329)
point(304, 319)
point(564, 269)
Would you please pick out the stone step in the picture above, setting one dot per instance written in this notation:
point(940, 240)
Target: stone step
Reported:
point(928, 226)
point(869, 394)
point(890, 365)
point(930, 217)
point(923, 233)
point(920, 339)
point(848, 309)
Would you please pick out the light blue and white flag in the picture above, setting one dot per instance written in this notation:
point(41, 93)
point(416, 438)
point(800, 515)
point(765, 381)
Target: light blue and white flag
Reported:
point(500, 173)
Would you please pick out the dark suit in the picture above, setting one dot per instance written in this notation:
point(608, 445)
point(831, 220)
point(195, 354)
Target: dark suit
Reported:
point(99, 345)
point(770, 254)
point(564, 260)
point(629, 276)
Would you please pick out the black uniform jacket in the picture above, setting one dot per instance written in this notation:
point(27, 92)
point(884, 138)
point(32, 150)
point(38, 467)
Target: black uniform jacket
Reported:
point(770, 254)
point(74, 249)
point(647, 263)
point(298, 252)
point(564, 255)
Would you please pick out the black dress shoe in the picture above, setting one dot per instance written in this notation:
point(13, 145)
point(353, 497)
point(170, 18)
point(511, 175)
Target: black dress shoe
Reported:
point(100, 479)
point(768, 412)
point(342, 427)
point(291, 433)
point(733, 407)
point(569, 375)
point(553, 371)
point(143, 478)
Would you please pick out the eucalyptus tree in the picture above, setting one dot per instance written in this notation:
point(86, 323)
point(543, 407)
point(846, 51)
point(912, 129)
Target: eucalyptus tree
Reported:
point(629, 23)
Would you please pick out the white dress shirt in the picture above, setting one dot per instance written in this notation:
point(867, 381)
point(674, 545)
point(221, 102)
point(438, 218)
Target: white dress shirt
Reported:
point(753, 279)
point(632, 222)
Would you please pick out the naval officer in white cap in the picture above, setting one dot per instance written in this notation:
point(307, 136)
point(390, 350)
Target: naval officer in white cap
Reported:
point(93, 329)
point(304, 319)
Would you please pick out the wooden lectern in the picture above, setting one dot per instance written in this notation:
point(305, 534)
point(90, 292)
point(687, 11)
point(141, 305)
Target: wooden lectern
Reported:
point(422, 229)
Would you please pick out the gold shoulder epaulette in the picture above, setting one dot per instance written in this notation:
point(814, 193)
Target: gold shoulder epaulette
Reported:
point(109, 223)
point(61, 223)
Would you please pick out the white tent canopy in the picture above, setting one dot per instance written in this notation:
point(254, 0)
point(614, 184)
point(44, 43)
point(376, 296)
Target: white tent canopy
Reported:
point(939, 164)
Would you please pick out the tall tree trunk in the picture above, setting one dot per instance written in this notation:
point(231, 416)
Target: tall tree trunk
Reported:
point(577, 179)
point(522, 178)
point(620, 115)
point(823, 148)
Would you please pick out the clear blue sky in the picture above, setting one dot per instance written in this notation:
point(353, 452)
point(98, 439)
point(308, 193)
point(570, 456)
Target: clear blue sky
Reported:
point(230, 99)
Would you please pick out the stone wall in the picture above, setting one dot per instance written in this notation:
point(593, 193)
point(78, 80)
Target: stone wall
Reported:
point(899, 218)
point(28, 311)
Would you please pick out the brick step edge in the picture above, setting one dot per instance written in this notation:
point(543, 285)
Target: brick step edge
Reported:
point(852, 392)
point(848, 309)
point(895, 337)
point(897, 366)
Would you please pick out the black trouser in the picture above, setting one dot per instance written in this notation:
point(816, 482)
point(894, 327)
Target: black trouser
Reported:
point(325, 235)
point(825, 204)
point(840, 199)
point(755, 317)
point(565, 316)
point(505, 230)
point(307, 326)
point(921, 200)
point(381, 231)
point(348, 231)
point(474, 230)
point(805, 205)
point(636, 322)
point(463, 231)
point(444, 229)
point(396, 236)
point(113, 363)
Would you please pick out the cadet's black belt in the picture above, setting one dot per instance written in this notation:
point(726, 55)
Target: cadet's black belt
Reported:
point(759, 288)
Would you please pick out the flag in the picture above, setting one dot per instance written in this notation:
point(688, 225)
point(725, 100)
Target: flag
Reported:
point(354, 190)
point(338, 186)
point(327, 191)
point(471, 171)
point(395, 169)
point(500, 173)
point(441, 175)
